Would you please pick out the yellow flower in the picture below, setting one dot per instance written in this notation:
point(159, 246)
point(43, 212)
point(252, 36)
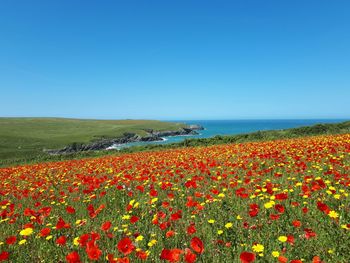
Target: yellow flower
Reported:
point(49, 237)
point(258, 248)
point(275, 254)
point(269, 205)
point(333, 214)
point(76, 241)
point(220, 232)
point(26, 232)
point(22, 242)
point(139, 238)
point(239, 217)
point(228, 225)
point(282, 239)
point(211, 221)
point(152, 243)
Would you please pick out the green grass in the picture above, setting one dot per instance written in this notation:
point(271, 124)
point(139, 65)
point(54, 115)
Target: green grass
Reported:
point(25, 138)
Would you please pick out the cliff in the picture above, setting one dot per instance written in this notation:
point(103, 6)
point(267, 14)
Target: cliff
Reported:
point(103, 144)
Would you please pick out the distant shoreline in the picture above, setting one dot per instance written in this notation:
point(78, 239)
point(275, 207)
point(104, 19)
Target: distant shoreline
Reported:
point(106, 144)
point(214, 128)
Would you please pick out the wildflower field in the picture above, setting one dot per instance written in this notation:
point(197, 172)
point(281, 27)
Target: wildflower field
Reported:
point(274, 201)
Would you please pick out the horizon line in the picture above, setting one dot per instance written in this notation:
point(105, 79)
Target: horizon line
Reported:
point(180, 119)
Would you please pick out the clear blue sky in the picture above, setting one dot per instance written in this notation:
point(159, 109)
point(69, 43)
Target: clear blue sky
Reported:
point(175, 59)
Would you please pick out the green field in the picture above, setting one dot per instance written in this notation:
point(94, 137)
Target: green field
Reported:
point(25, 138)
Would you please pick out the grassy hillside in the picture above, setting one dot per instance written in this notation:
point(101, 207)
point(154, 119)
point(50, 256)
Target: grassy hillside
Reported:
point(25, 138)
point(19, 156)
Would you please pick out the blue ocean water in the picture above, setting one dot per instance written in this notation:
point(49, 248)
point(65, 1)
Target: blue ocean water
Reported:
point(229, 127)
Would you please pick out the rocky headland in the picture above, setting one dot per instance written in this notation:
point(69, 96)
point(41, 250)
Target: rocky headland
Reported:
point(104, 143)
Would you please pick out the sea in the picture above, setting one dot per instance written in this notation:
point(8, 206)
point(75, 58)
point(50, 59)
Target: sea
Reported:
point(231, 127)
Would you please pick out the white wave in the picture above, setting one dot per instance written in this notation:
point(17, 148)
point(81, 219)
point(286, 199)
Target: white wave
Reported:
point(115, 147)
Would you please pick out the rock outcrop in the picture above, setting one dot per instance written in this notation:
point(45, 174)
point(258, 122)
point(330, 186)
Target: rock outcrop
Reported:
point(196, 127)
point(103, 144)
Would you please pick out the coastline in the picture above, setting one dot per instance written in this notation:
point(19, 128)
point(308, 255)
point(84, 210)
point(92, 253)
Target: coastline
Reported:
point(108, 144)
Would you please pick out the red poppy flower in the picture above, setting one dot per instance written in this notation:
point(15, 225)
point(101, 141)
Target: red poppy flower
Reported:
point(170, 233)
point(134, 219)
point(247, 257)
point(125, 246)
point(282, 259)
point(62, 224)
point(190, 257)
point(141, 188)
point(164, 225)
point(92, 212)
point(61, 240)
point(323, 207)
point(296, 223)
point(290, 239)
point(153, 193)
point(93, 252)
point(281, 196)
point(316, 259)
point(106, 226)
point(73, 257)
point(70, 210)
point(176, 216)
point(11, 240)
point(253, 210)
point(191, 229)
point(171, 255)
point(197, 245)
point(309, 233)
point(45, 232)
point(141, 255)
point(94, 236)
point(274, 217)
point(279, 208)
point(123, 260)
point(83, 239)
point(4, 256)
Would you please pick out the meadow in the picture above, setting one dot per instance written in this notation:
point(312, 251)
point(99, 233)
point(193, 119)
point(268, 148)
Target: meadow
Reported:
point(285, 200)
point(24, 139)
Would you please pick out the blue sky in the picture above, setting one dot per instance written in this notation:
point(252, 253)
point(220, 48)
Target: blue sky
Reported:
point(175, 59)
